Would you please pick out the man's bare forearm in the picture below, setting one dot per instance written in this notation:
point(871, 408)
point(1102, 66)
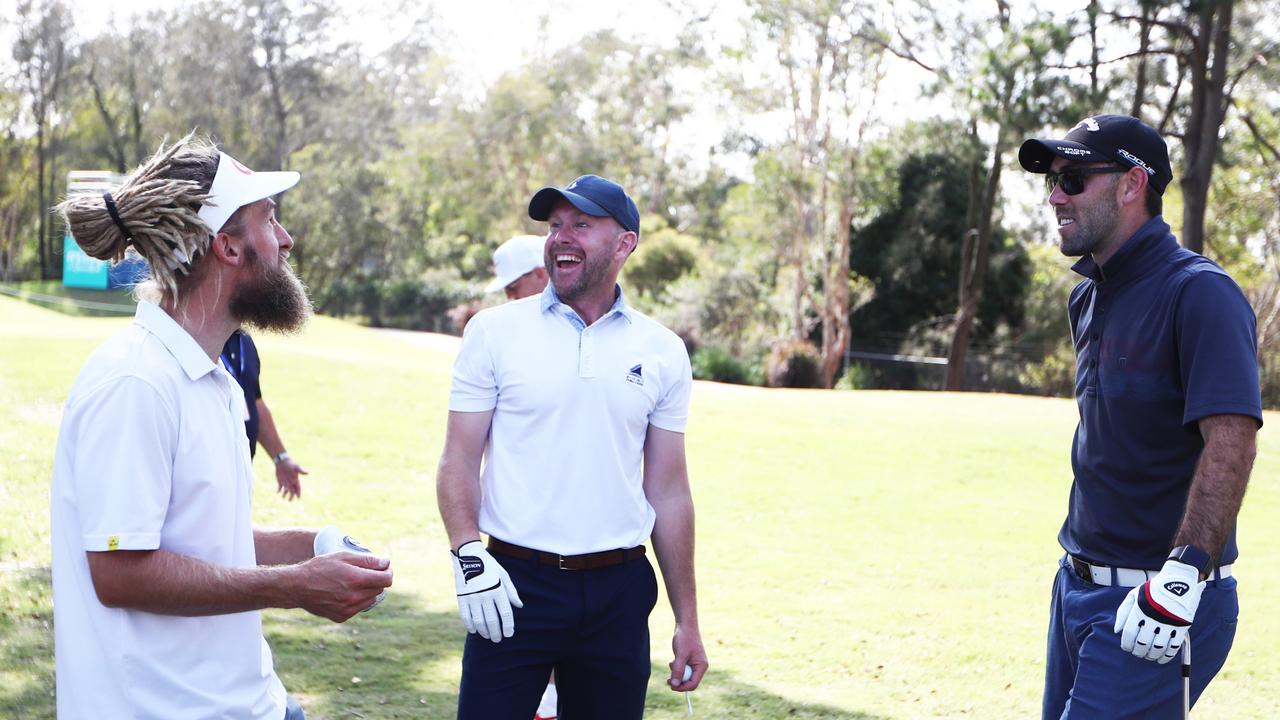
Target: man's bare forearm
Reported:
point(167, 583)
point(458, 476)
point(284, 547)
point(268, 435)
point(673, 537)
point(458, 496)
point(1218, 488)
point(666, 487)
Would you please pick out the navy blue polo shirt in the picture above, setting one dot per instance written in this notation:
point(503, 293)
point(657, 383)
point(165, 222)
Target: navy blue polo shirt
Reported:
point(1163, 338)
point(240, 356)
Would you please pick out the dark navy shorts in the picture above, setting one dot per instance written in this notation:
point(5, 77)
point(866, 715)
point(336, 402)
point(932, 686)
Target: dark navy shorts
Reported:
point(1088, 676)
point(590, 626)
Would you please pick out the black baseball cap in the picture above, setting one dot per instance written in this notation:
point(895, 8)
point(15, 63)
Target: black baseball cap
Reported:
point(593, 195)
point(1105, 138)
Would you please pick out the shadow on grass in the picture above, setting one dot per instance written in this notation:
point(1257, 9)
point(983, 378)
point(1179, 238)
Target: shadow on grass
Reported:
point(390, 651)
point(398, 661)
point(26, 642)
point(388, 663)
point(723, 695)
point(402, 662)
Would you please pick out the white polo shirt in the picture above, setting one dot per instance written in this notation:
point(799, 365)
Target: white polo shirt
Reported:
point(572, 406)
point(152, 454)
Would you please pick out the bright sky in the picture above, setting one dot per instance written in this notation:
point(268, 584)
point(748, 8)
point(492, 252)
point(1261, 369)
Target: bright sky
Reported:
point(486, 37)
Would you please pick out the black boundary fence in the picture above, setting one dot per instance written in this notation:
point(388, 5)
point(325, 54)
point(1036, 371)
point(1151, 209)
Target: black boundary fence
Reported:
point(987, 369)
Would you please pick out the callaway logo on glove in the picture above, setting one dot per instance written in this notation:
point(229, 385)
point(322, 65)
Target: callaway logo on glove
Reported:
point(485, 592)
point(1154, 618)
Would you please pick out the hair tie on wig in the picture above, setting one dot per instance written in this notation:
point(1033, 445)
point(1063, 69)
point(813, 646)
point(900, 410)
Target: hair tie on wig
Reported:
point(115, 215)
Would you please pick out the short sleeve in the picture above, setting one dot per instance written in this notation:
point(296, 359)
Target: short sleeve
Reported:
point(252, 370)
point(122, 465)
point(672, 411)
point(1217, 349)
point(475, 385)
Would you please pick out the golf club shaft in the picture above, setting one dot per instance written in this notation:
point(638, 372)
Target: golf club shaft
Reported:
point(1186, 679)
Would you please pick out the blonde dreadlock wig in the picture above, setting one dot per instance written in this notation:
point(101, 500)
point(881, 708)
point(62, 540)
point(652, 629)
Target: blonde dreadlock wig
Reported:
point(156, 211)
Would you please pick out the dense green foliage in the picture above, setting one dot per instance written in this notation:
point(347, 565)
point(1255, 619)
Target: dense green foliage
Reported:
point(714, 363)
point(910, 253)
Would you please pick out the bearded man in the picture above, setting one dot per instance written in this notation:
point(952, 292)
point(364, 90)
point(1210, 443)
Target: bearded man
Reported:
point(158, 574)
point(1167, 392)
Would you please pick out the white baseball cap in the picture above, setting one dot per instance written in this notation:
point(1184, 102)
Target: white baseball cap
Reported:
point(514, 258)
point(235, 186)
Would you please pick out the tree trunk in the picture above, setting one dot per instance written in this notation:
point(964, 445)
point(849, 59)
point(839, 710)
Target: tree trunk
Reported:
point(115, 137)
point(281, 116)
point(135, 114)
point(1095, 97)
point(1208, 109)
point(41, 232)
point(797, 300)
point(835, 318)
point(1144, 43)
point(973, 268)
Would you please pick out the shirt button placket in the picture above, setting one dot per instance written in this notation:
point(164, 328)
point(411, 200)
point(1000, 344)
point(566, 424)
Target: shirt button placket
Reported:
point(587, 354)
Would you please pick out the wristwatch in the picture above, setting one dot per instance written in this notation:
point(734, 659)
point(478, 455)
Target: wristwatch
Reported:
point(1191, 555)
point(281, 457)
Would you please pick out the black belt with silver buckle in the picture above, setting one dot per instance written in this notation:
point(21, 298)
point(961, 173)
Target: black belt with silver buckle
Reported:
point(587, 561)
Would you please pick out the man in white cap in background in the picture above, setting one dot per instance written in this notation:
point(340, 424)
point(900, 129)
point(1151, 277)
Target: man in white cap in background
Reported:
point(158, 573)
point(518, 271)
point(518, 267)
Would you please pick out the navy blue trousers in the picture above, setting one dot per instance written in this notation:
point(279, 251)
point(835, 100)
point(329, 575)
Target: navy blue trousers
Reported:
point(1087, 674)
point(590, 626)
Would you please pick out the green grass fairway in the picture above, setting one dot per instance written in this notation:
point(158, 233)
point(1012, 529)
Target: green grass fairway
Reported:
point(865, 555)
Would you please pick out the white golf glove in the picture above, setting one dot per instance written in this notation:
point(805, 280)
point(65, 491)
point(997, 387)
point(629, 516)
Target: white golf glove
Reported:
point(1155, 617)
point(485, 592)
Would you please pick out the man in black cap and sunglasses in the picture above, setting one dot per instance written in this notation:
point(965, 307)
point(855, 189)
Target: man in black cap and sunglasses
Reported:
point(1167, 387)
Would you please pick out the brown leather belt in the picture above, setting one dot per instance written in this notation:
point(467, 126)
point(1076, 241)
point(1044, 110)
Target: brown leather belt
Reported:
point(589, 561)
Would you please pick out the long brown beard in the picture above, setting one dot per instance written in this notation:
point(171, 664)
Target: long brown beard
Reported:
point(274, 300)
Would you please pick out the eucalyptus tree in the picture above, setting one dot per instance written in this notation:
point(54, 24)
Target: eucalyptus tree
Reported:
point(293, 48)
point(820, 69)
point(14, 184)
point(605, 105)
point(1212, 47)
point(116, 80)
point(1003, 71)
point(44, 51)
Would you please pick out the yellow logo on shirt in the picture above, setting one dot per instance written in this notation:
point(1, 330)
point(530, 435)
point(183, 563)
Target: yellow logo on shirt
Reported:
point(113, 542)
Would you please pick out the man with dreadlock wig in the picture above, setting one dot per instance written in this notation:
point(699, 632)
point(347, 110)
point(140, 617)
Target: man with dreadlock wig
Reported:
point(158, 575)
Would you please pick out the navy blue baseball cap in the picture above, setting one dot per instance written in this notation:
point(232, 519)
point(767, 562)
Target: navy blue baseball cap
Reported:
point(593, 195)
point(1119, 139)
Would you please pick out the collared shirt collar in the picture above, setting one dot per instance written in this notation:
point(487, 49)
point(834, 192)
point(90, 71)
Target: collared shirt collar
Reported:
point(549, 299)
point(175, 339)
point(1141, 252)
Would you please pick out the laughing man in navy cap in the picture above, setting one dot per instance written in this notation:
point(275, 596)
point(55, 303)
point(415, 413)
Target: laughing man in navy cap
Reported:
point(1167, 388)
point(576, 404)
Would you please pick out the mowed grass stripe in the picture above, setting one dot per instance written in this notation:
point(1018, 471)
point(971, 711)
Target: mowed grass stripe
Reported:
point(860, 554)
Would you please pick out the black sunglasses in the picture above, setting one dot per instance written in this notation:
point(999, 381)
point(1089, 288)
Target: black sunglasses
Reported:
point(1072, 179)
